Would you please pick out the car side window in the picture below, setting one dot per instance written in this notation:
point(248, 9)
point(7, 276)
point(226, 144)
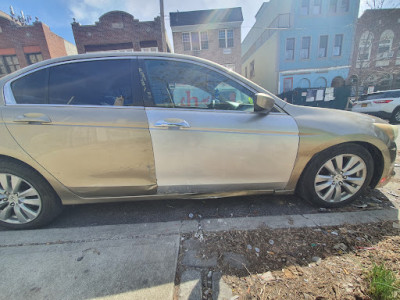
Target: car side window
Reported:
point(99, 82)
point(30, 89)
point(185, 85)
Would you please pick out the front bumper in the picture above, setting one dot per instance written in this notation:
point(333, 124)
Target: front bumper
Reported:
point(390, 173)
point(379, 114)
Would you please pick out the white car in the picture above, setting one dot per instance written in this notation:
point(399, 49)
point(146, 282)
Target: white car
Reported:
point(385, 104)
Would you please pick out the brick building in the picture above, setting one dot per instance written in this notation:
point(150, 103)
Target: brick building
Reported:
point(376, 55)
point(22, 45)
point(119, 31)
point(213, 34)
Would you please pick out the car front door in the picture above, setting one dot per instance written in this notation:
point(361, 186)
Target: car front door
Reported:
point(206, 136)
point(83, 122)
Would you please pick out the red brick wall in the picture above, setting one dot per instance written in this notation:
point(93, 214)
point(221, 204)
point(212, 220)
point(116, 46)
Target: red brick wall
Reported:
point(17, 37)
point(214, 53)
point(20, 40)
point(55, 43)
point(104, 33)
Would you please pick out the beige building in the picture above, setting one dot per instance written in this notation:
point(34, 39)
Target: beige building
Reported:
point(213, 34)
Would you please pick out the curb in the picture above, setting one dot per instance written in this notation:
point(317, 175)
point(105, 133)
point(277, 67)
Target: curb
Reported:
point(130, 231)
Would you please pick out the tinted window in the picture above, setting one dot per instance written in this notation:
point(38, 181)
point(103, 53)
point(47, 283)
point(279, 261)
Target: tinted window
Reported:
point(101, 82)
point(392, 94)
point(375, 96)
point(30, 89)
point(178, 84)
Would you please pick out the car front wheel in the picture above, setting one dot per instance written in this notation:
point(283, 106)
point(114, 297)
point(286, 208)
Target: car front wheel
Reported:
point(26, 199)
point(337, 176)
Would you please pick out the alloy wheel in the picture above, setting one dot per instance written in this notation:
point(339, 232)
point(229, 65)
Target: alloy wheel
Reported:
point(20, 202)
point(397, 116)
point(340, 178)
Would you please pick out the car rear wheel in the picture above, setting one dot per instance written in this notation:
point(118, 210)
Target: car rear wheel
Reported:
point(395, 118)
point(337, 176)
point(26, 199)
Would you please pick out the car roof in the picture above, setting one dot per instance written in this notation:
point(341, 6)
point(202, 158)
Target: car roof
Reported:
point(112, 54)
point(108, 54)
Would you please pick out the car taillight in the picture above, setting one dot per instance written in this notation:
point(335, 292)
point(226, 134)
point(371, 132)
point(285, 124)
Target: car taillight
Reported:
point(382, 101)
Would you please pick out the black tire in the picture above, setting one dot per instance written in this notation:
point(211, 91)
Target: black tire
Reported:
point(50, 204)
point(395, 118)
point(308, 185)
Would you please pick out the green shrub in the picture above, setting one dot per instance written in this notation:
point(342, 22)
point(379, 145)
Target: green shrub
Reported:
point(382, 283)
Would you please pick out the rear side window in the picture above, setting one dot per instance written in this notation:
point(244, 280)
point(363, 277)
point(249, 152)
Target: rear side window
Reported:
point(30, 89)
point(100, 82)
point(375, 96)
point(392, 94)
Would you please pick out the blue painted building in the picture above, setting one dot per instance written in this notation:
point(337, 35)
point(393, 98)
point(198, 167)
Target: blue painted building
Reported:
point(300, 43)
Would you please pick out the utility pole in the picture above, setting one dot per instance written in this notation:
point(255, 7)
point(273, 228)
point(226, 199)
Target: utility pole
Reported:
point(163, 37)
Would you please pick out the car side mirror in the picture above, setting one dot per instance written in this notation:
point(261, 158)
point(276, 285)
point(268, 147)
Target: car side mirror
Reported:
point(264, 103)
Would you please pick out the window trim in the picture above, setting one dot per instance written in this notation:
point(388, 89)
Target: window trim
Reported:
point(309, 48)
point(326, 48)
point(346, 8)
point(294, 48)
point(226, 38)
point(28, 60)
point(341, 45)
point(301, 8)
point(283, 83)
point(330, 6)
point(9, 99)
point(200, 40)
point(7, 67)
point(314, 6)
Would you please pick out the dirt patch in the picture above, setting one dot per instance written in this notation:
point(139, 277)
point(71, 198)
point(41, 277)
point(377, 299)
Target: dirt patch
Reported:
point(303, 263)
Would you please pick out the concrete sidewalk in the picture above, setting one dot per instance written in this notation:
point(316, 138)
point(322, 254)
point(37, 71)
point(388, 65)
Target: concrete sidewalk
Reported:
point(136, 261)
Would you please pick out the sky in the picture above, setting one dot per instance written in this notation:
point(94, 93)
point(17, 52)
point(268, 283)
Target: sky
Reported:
point(58, 14)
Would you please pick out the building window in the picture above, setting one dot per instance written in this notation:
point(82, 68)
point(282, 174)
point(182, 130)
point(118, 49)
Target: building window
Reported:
point(149, 49)
point(186, 41)
point(204, 40)
point(333, 6)
point(345, 6)
point(364, 47)
point(287, 84)
point(337, 49)
point(290, 49)
point(230, 67)
point(8, 64)
point(323, 46)
point(34, 58)
point(252, 70)
point(195, 40)
point(317, 7)
point(305, 47)
point(225, 37)
point(385, 45)
point(305, 6)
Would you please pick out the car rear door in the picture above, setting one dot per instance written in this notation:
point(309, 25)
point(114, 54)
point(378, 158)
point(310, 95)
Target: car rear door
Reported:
point(84, 123)
point(206, 136)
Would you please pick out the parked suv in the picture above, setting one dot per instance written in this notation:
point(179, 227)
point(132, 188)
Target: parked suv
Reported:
point(384, 104)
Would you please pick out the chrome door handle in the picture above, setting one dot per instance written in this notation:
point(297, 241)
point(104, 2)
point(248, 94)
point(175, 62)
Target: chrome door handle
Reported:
point(33, 118)
point(172, 123)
